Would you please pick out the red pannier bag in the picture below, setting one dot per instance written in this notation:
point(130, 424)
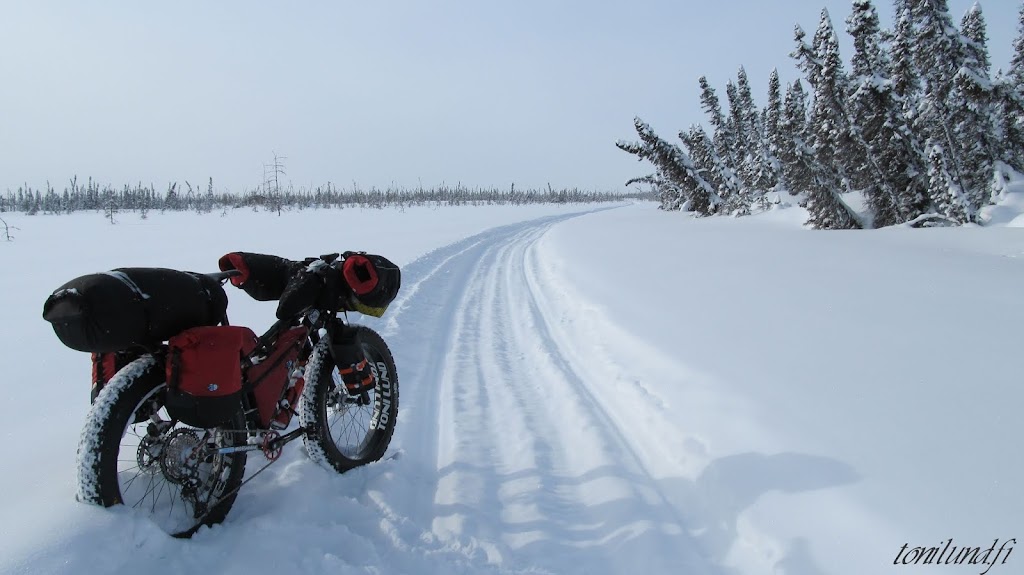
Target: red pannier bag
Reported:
point(105, 365)
point(204, 374)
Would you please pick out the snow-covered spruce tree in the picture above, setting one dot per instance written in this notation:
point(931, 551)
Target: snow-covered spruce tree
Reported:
point(736, 127)
point(772, 121)
point(705, 159)
point(830, 132)
point(793, 140)
point(757, 167)
point(1010, 102)
point(739, 203)
point(51, 201)
point(937, 53)
point(896, 189)
point(721, 136)
point(868, 110)
point(728, 150)
point(675, 166)
point(938, 57)
point(972, 113)
point(670, 196)
point(947, 194)
point(1017, 62)
point(906, 82)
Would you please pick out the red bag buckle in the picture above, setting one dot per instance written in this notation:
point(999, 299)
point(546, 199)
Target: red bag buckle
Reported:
point(357, 378)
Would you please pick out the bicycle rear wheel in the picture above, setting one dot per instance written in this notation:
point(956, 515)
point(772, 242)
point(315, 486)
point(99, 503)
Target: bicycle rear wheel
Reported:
point(132, 453)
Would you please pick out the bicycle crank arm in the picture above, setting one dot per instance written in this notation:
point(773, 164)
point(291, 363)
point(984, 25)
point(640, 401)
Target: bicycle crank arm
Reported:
point(287, 438)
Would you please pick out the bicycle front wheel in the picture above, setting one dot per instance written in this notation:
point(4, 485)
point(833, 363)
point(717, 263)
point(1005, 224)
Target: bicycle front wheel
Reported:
point(345, 431)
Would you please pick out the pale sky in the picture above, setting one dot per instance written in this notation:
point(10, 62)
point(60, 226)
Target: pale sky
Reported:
point(379, 92)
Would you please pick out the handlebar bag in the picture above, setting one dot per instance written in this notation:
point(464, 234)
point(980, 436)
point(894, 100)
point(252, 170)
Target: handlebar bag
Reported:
point(300, 293)
point(204, 373)
point(374, 281)
point(132, 308)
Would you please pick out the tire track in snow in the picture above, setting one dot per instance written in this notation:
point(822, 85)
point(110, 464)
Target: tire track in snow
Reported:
point(528, 470)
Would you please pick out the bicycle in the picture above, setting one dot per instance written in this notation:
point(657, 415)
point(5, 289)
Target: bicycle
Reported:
point(158, 443)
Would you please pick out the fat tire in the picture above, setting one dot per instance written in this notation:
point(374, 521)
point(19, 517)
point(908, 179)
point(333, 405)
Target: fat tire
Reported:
point(107, 423)
point(319, 387)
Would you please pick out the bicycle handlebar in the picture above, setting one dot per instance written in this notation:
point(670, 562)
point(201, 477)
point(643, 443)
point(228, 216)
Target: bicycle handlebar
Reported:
point(223, 276)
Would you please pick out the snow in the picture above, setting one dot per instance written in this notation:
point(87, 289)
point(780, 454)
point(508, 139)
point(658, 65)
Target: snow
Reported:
point(123, 278)
point(585, 389)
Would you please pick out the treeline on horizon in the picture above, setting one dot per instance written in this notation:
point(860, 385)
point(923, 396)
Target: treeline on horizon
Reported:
point(92, 196)
point(919, 126)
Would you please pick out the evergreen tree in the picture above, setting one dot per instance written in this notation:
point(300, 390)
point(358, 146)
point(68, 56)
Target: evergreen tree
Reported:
point(1010, 104)
point(830, 131)
point(975, 38)
point(736, 125)
point(869, 82)
point(947, 194)
point(721, 136)
point(675, 166)
point(972, 115)
point(793, 140)
point(171, 200)
point(739, 202)
point(710, 165)
point(760, 175)
point(938, 56)
point(772, 127)
point(24, 200)
point(805, 57)
point(1010, 118)
point(895, 189)
point(868, 56)
point(905, 79)
point(1017, 63)
point(36, 203)
point(51, 201)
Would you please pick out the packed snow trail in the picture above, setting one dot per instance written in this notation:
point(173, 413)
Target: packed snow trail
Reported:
point(524, 466)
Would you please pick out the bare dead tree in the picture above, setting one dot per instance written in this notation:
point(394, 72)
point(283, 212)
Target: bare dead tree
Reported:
point(272, 182)
point(7, 230)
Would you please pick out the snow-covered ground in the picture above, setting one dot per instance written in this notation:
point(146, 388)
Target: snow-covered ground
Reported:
point(584, 389)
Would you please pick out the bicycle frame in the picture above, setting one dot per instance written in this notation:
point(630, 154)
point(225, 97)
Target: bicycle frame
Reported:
point(269, 440)
point(311, 364)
